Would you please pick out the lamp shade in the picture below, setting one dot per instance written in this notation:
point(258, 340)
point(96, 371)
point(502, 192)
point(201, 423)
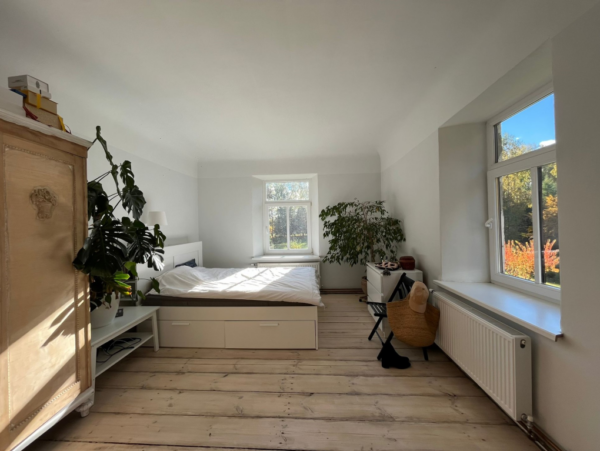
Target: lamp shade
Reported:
point(157, 217)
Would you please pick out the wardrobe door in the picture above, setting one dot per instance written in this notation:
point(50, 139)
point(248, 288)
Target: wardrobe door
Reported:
point(44, 309)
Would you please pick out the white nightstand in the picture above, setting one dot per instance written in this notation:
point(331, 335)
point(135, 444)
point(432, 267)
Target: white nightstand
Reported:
point(380, 287)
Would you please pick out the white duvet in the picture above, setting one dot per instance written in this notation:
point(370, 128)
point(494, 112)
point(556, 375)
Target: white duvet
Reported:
point(297, 284)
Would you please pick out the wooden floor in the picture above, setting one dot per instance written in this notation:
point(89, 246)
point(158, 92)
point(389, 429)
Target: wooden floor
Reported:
point(335, 399)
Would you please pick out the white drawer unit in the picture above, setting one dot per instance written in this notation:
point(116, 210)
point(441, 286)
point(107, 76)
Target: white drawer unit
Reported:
point(270, 334)
point(192, 334)
point(291, 327)
point(380, 287)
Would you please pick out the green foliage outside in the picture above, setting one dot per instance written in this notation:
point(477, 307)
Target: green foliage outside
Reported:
point(278, 215)
point(517, 220)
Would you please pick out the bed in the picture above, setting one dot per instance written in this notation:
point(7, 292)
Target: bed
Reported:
point(243, 308)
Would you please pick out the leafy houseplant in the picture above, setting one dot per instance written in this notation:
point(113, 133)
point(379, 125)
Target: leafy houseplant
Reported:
point(360, 232)
point(115, 246)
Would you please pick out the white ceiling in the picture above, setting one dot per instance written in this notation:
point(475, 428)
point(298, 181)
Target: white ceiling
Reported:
point(263, 79)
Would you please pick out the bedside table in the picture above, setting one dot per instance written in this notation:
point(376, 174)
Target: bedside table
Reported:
point(380, 287)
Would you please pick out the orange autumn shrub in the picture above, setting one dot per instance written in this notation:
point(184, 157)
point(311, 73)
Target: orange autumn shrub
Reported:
point(519, 259)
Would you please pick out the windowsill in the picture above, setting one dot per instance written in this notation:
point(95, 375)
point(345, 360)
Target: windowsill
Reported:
point(289, 258)
point(537, 315)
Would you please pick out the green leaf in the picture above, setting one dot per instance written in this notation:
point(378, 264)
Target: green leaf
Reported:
point(131, 267)
point(141, 295)
point(155, 284)
point(121, 276)
point(159, 237)
point(127, 174)
point(98, 203)
point(133, 201)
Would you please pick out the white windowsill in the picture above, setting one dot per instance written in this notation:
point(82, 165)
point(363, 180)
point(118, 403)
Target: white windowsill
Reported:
point(542, 317)
point(287, 258)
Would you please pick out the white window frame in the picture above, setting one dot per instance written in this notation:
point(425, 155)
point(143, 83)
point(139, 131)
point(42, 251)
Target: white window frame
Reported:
point(287, 203)
point(530, 161)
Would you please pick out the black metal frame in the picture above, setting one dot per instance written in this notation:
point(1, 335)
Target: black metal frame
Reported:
point(380, 311)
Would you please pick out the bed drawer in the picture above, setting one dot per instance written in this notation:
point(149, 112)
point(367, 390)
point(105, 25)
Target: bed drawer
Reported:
point(270, 334)
point(191, 334)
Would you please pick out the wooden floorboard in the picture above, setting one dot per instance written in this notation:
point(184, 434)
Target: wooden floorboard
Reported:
point(336, 398)
point(437, 409)
point(315, 367)
point(276, 383)
point(363, 326)
point(367, 354)
point(288, 434)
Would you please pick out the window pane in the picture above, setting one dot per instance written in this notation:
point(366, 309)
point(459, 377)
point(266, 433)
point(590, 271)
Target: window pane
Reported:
point(528, 130)
point(518, 256)
point(277, 227)
point(277, 191)
point(548, 177)
point(298, 227)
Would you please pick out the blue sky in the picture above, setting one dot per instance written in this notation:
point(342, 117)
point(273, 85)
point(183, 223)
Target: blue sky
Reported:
point(534, 124)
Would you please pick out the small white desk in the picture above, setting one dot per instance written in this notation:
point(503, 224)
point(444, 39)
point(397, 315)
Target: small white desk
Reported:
point(132, 316)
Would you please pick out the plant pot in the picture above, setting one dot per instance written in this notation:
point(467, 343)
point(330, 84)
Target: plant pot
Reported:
point(363, 284)
point(104, 315)
point(407, 263)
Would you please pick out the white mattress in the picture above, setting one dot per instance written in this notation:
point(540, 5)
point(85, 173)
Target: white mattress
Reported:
point(298, 284)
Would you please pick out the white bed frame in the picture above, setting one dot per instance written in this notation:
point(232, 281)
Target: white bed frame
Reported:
point(293, 327)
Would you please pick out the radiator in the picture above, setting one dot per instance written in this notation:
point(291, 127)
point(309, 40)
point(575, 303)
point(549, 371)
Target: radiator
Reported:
point(314, 265)
point(496, 356)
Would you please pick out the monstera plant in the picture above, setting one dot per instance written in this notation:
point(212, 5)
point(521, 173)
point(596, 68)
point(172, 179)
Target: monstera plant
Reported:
point(360, 232)
point(114, 247)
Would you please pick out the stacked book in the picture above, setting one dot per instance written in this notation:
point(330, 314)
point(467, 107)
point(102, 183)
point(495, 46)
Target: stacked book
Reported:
point(36, 100)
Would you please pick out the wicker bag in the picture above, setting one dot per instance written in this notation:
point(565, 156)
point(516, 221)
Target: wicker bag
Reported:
point(413, 320)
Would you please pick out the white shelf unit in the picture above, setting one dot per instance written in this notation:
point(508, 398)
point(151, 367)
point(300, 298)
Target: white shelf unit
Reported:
point(132, 316)
point(143, 336)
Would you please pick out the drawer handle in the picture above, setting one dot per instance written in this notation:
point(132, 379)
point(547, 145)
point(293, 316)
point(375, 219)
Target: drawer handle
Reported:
point(180, 324)
point(269, 325)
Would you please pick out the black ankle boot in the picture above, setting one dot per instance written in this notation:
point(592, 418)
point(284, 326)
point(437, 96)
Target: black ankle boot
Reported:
point(391, 359)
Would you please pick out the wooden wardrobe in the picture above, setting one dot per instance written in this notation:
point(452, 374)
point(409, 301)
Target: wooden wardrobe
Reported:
point(44, 306)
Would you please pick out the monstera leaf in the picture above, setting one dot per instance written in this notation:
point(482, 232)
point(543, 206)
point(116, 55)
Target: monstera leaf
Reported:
point(143, 247)
point(159, 237)
point(98, 202)
point(133, 201)
point(127, 174)
point(115, 246)
point(104, 251)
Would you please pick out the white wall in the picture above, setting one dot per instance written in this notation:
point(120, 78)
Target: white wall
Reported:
point(410, 188)
point(230, 206)
point(463, 203)
point(164, 189)
point(568, 397)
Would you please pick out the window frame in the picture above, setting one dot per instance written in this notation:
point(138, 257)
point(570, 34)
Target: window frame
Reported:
point(286, 203)
point(531, 161)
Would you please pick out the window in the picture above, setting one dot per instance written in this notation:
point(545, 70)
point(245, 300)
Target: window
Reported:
point(287, 217)
point(523, 197)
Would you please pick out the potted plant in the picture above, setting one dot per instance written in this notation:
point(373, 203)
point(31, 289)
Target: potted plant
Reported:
point(360, 232)
point(115, 246)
